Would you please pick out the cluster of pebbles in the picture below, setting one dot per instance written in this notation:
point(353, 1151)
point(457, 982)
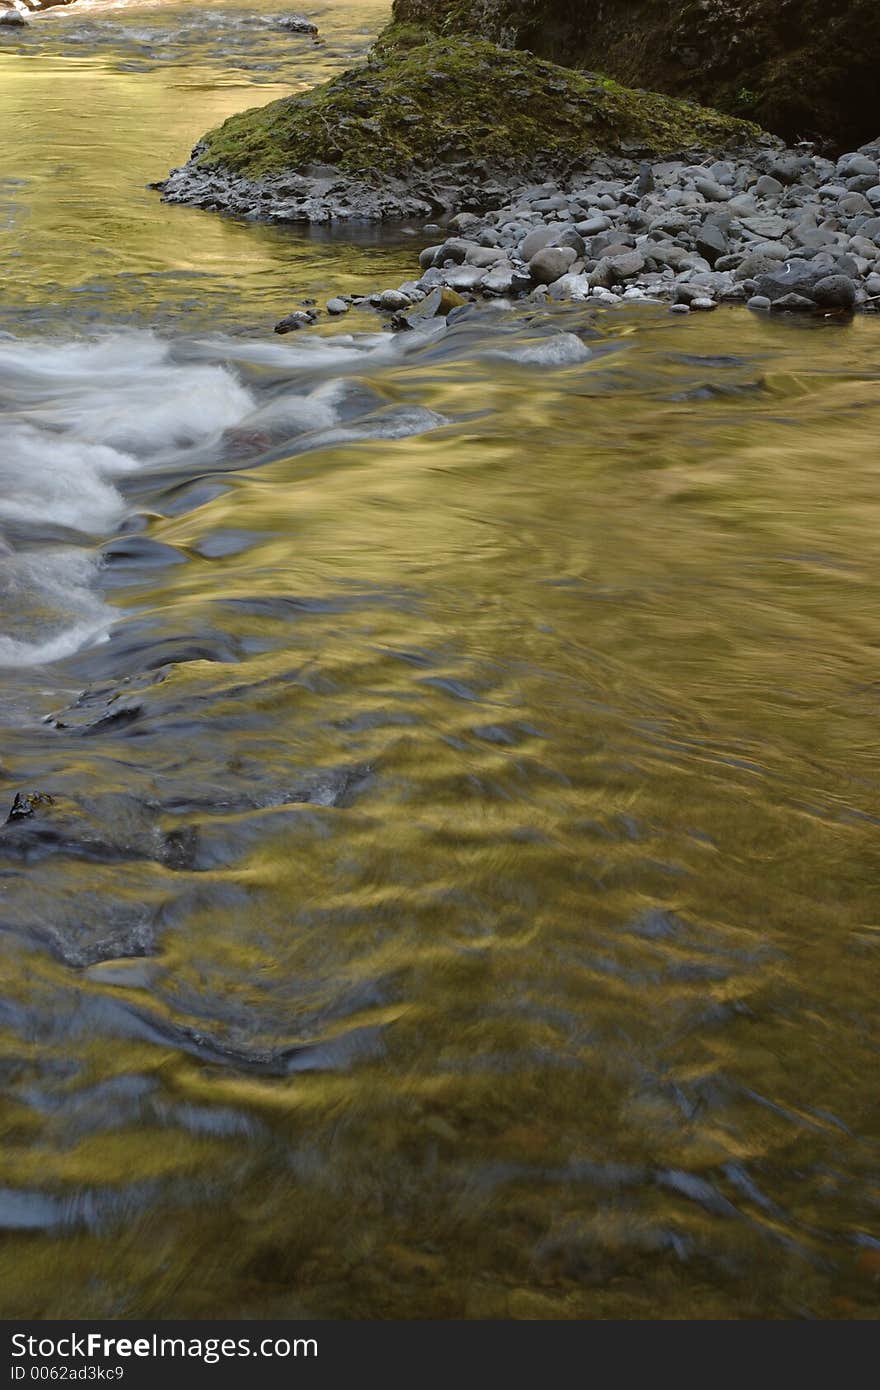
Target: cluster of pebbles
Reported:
point(777, 229)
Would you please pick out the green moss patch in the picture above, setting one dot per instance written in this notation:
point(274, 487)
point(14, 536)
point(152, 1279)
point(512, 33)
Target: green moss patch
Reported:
point(459, 102)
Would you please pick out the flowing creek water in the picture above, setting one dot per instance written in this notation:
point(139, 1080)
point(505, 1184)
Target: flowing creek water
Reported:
point(460, 893)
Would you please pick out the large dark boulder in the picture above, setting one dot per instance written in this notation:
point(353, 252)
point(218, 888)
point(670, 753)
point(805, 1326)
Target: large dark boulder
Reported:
point(806, 69)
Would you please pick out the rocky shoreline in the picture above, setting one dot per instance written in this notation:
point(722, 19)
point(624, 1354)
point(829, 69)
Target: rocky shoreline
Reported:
point(539, 180)
point(320, 195)
point(780, 230)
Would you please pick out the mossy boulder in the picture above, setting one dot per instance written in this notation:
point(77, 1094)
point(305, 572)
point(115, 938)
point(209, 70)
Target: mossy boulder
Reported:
point(454, 103)
point(801, 68)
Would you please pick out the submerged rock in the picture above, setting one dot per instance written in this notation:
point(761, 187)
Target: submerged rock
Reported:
point(834, 292)
point(28, 804)
point(300, 318)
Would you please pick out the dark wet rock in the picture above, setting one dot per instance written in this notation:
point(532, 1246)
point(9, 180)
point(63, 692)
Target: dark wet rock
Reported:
point(28, 804)
point(140, 552)
point(114, 721)
point(300, 318)
point(834, 292)
point(686, 292)
point(454, 252)
point(12, 19)
point(298, 24)
point(437, 302)
point(116, 830)
point(571, 237)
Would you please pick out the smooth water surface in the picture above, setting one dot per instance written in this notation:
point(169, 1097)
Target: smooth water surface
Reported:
point(459, 896)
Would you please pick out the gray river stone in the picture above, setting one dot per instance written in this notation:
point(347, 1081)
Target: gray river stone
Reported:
point(834, 292)
point(551, 263)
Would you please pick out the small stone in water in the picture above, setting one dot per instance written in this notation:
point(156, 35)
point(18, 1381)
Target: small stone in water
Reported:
point(298, 319)
point(298, 24)
point(27, 804)
point(337, 306)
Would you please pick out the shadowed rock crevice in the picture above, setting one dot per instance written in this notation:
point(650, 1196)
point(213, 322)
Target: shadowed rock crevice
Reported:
point(805, 69)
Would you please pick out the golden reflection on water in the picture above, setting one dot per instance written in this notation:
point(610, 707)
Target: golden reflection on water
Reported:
point(96, 123)
point(600, 936)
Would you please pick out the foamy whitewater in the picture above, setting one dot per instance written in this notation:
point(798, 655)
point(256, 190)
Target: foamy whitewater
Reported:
point(77, 419)
point(81, 419)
